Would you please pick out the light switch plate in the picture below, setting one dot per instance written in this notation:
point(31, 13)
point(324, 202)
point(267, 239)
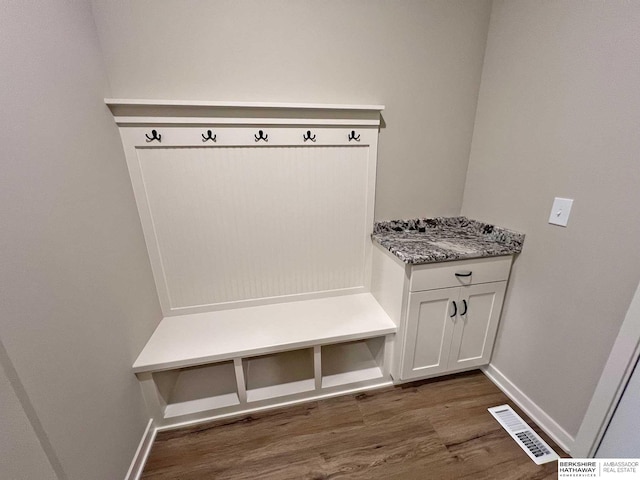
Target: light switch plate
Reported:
point(560, 211)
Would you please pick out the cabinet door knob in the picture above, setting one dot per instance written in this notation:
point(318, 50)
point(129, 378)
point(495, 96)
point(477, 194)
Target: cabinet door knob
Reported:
point(464, 302)
point(464, 273)
point(455, 309)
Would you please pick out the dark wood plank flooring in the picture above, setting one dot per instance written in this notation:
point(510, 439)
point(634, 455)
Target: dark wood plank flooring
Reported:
point(435, 429)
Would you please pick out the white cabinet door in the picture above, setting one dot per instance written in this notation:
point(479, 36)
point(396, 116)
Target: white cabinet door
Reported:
point(476, 324)
point(428, 332)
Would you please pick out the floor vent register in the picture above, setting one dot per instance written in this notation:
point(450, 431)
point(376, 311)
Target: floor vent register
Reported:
point(523, 434)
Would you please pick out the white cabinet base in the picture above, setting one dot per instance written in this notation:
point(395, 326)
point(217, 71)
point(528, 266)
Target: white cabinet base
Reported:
point(447, 313)
point(450, 329)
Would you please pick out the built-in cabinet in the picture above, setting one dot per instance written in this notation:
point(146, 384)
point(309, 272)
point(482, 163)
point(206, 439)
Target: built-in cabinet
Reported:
point(450, 329)
point(447, 313)
point(258, 221)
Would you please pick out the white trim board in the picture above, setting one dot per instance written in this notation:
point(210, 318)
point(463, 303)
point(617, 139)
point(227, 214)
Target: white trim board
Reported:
point(140, 111)
point(212, 121)
point(230, 104)
point(142, 452)
point(614, 378)
point(535, 412)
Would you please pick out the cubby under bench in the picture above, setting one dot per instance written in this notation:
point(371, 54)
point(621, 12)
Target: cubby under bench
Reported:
point(209, 365)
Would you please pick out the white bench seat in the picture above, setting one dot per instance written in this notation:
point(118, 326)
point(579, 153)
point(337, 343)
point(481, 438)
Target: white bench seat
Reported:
point(201, 338)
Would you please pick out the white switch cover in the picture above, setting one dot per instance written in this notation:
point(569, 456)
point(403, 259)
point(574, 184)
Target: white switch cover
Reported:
point(560, 211)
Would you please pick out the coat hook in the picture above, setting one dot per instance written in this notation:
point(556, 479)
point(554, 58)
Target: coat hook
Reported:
point(154, 136)
point(352, 136)
point(208, 137)
point(308, 136)
point(261, 136)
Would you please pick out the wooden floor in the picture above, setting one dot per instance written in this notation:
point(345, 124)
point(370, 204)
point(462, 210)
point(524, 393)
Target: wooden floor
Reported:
point(436, 429)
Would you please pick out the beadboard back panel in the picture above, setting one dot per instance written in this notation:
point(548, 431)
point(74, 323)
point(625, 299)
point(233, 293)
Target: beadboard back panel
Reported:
point(238, 223)
point(261, 214)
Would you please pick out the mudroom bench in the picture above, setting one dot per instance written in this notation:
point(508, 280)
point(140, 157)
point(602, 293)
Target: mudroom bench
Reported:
point(216, 363)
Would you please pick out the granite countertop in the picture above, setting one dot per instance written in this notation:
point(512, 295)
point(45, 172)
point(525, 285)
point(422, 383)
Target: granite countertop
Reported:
point(443, 239)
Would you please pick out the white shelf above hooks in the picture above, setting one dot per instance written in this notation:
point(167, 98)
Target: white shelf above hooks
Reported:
point(196, 112)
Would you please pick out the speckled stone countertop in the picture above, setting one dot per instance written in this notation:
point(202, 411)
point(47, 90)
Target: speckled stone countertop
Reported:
point(443, 239)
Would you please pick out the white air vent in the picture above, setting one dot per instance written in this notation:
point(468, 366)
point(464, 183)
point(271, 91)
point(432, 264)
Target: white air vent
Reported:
point(523, 434)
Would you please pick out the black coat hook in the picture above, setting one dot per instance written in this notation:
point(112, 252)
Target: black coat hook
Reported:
point(208, 137)
point(261, 136)
point(308, 136)
point(154, 136)
point(352, 136)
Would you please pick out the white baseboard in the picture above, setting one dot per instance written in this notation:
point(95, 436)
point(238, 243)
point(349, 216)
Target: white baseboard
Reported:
point(537, 414)
point(140, 457)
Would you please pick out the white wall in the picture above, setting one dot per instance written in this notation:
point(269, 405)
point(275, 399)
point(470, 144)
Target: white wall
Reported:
point(77, 296)
point(558, 115)
point(421, 58)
